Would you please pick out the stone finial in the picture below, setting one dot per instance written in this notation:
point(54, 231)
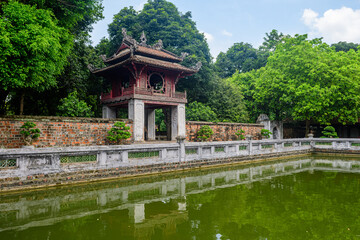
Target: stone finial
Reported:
point(248, 137)
point(158, 45)
point(197, 66)
point(103, 57)
point(124, 33)
point(184, 55)
point(91, 67)
point(310, 135)
point(143, 38)
point(262, 117)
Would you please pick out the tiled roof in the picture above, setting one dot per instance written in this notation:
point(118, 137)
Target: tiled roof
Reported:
point(159, 53)
point(148, 61)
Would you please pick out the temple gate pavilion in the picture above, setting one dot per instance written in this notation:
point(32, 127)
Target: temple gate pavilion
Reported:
point(143, 78)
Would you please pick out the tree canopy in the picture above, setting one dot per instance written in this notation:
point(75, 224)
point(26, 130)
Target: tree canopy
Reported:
point(305, 80)
point(33, 48)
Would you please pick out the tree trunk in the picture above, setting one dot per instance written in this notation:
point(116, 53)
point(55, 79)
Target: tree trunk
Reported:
point(307, 131)
point(3, 95)
point(22, 103)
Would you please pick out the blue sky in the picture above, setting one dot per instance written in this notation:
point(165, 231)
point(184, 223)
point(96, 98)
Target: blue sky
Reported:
point(230, 21)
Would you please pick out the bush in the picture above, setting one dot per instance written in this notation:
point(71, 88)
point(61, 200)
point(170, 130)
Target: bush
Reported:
point(29, 133)
point(265, 133)
point(240, 134)
point(329, 132)
point(118, 133)
point(72, 106)
point(204, 133)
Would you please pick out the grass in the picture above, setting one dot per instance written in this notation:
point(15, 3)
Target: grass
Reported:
point(242, 148)
point(355, 144)
point(288, 144)
point(267, 146)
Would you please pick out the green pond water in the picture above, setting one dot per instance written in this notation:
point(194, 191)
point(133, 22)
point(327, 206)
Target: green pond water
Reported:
point(314, 197)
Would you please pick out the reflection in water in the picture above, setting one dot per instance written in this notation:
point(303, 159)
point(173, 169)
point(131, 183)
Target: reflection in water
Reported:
point(307, 198)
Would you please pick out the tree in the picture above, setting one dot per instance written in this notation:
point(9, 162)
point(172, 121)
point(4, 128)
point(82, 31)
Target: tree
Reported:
point(345, 46)
point(73, 107)
point(196, 111)
point(33, 49)
point(241, 57)
point(306, 80)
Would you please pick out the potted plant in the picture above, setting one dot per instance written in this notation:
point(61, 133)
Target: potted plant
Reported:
point(329, 132)
point(119, 133)
point(265, 134)
point(29, 133)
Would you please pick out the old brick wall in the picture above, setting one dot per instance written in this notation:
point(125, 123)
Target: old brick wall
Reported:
point(223, 131)
point(57, 131)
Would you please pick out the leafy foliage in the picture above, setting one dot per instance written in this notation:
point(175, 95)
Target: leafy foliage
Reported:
point(240, 134)
point(197, 111)
point(345, 46)
point(305, 80)
point(73, 107)
point(265, 133)
point(204, 133)
point(33, 48)
point(241, 57)
point(329, 132)
point(29, 133)
point(118, 133)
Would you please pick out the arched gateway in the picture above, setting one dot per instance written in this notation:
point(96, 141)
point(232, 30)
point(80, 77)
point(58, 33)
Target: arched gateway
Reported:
point(143, 78)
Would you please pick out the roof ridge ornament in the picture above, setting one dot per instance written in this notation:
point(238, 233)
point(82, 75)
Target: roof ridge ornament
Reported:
point(143, 39)
point(159, 45)
point(184, 55)
point(197, 66)
point(128, 38)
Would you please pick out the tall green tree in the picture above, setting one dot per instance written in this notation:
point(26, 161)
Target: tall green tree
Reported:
point(345, 46)
point(33, 49)
point(241, 57)
point(306, 80)
point(77, 16)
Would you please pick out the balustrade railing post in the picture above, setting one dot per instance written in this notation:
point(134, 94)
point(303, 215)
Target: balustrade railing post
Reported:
point(248, 138)
point(101, 158)
point(124, 156)
point(163, 153)
point(181, 141)
point(333, 144)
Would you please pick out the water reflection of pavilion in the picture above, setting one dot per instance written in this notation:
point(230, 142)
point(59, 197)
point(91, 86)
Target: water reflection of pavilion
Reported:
point(23, 213)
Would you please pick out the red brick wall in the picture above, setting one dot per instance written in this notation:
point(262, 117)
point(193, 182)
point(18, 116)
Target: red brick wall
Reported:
point(223, 131)
point(57, 131)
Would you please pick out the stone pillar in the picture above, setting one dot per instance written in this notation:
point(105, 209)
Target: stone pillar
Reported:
point(108, 112)
point(151, 124)
point(178, 121)
point(136, 113)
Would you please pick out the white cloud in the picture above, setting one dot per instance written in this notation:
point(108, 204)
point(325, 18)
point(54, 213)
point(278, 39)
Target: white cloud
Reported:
point(335, 25)
point(226, 33)
point(208, 37)
point(140, 6)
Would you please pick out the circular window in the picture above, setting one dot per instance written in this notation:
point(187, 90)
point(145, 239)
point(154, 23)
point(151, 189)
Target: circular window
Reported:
point(156, 81)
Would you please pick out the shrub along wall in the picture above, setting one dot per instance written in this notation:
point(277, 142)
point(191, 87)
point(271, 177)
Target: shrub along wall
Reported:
point(223, 131)
point(57, 131)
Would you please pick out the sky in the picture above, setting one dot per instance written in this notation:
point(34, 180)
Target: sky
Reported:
point(225, 22)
